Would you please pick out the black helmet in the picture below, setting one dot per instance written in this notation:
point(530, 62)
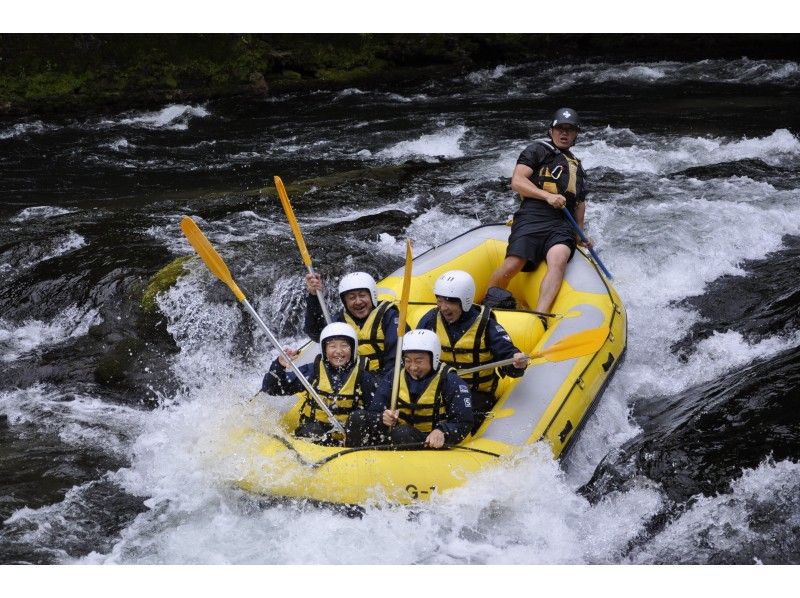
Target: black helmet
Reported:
point(566, 116)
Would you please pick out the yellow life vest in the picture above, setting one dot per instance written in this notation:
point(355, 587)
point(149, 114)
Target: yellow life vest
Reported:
point(428, 410)
point(562, 174)
point(470, 350)
point(340, 403)
point(552, 181)
point(371, 335)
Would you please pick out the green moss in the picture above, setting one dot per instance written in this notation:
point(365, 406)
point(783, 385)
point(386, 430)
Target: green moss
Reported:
point(292, 75)
point(43, 85)
point(161, 281)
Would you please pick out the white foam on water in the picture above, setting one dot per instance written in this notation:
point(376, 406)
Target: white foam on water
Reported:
point(648, 154)
point(396, 97)
point(446, 143)
point(120, 145)
point(344, 214)
point(175, 117)
point(492, 74)
point(522, 511)
point(57, 528)
point(196, 325)
point(567, 77)
point(430, 229)
point(40, 213)
point(378, 97)
point(52, 249)
point(78, 418)
point(17, 340)
point(743, 71)
point(722, 523)
point(350, 91)
point(25, 129)
point(246, 225)
point(661, 251)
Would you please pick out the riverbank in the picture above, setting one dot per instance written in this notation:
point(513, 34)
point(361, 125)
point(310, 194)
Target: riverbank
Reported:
point(70, 73)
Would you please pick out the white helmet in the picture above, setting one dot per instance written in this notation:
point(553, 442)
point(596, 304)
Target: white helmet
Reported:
point(423, 340)
point(359, 280)
point(339, 330)
point(458, 285)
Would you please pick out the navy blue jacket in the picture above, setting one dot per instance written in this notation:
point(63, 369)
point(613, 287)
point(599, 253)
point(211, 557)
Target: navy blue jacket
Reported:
point(279, 381)
point(497, 338)
point(315, 322)
point(455, 397)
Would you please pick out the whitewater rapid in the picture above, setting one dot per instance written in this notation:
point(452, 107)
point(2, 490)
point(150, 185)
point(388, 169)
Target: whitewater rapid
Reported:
point(667, 215)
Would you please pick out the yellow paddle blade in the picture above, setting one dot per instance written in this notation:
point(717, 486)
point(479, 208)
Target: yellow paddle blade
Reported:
point(209, 255)
point(401, 322)
point(576, 345)
point(287, 207)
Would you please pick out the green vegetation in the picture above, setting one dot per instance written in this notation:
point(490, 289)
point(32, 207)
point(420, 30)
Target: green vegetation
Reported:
point(58, 72)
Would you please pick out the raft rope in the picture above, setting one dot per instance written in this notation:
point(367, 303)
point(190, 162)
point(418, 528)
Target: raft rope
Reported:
point(398, 447)
point(378, 447)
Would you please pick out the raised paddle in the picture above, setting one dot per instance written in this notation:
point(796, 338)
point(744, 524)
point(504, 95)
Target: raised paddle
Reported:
point(298, 236)
point(218, 268)
point(585, 240)
point(401, 326)
point(575, 345)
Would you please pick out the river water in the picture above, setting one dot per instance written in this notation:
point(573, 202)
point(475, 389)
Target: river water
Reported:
point(110, 416)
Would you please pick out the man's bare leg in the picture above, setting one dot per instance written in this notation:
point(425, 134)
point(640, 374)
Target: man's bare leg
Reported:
point(510, 267)
point(557, 258)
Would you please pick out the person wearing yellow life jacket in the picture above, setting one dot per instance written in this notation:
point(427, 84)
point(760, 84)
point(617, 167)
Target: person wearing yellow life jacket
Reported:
point(549, 179)
point(375, 322)
point(339, 376)
point(434, 406)
point(471, 336)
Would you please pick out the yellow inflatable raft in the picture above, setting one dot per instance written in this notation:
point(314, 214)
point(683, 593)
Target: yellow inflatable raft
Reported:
point(550, 402)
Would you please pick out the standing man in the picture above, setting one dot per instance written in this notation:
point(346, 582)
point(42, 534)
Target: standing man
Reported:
point(374, 322)
point(549, 178)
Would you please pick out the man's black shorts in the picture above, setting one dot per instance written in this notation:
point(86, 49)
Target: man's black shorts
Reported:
point(534, 247)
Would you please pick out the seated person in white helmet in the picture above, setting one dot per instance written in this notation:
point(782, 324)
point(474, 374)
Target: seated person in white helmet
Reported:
point(338, 375)
point(470, 336)
point(375, 322)
point(433, 403)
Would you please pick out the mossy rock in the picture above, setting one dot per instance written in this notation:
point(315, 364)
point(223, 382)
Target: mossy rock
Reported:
point(384, 174)
point(350, 74)
point(161, 281)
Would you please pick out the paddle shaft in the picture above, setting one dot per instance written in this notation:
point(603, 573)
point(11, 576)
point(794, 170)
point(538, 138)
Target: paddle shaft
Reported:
point(322, 304)
point(398, 368)
point(298, 237)
point(585, 240)
point(219, 268)
point(295, 369)
point(401, 327)
point(494, 364)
